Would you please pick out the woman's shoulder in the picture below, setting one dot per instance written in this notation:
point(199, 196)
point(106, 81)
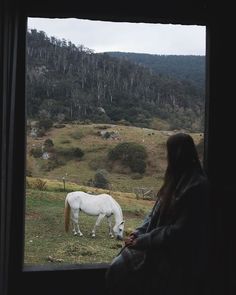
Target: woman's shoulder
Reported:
point(197, 184)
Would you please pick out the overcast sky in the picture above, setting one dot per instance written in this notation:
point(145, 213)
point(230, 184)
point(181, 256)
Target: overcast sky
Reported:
point(104, 36)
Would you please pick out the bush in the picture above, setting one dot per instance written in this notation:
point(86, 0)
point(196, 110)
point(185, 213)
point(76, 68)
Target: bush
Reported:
point(39, 184)
point(41, 132)
point(70, 153)
point(48, 145)
point(107, 135)
point(101, 179)
point(52, 163)
point(130, 154)
point(138, 166)
point(36, 152)
point(45, 124)
point(101, 118)
point(78, 153)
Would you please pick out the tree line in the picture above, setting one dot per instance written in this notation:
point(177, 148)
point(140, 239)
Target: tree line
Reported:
point(66, 82)
point(181, 67)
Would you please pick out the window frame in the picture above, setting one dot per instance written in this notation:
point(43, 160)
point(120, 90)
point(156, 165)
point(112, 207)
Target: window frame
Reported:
point(16, 121)
point(102, 266)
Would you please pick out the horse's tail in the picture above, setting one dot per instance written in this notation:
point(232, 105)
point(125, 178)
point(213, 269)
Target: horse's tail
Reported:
point(67, 215)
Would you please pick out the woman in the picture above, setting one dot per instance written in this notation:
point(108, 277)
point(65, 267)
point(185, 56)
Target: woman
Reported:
point(167, 254)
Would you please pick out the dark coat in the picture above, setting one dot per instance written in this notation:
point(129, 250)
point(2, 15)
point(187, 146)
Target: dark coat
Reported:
point(176, 246)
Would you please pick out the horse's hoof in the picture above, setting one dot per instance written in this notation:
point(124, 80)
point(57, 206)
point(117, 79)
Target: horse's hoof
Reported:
point(93, 235)
point(75, 234)
point(81, 235)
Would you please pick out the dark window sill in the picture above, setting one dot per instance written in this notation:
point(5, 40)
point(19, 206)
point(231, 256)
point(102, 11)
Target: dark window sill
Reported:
point(63, 267)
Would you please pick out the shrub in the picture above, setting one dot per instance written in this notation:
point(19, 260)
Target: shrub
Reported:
point(70, 153)
point(78, 153)
point(39, 184)
point(48, 142)
point(100, 118)
point(130, 154)
point(36, 152)
point(138, 166)
point(48, 145)
point(52, 163)
point(101, 179)
point(41, 132)
point(45, 124)
point(107, 135)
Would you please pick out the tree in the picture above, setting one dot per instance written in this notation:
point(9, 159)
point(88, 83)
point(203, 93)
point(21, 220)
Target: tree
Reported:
point(74, 81)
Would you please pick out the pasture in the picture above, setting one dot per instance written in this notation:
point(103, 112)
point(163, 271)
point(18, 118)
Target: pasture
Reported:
point(45, 238)
point(47, 242)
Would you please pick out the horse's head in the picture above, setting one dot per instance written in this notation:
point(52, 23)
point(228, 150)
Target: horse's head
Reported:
point(118, 230)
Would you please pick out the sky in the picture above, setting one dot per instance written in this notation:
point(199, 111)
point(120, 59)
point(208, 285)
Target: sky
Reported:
point(102, 36)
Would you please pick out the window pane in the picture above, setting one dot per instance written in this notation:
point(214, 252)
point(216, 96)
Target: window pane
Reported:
point(102, 99)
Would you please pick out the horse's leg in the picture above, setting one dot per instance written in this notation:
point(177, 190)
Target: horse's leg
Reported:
point(75, 221)
point(97, 223)
point(74, 217)
point(110, 226)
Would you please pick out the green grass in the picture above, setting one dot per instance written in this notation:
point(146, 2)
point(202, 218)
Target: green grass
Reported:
point(47, 242)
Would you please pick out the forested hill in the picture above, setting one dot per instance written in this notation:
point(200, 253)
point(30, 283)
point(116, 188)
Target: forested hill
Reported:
point(181, 67)
point(68, 82)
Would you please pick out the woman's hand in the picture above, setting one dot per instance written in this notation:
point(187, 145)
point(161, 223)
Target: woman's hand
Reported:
point(130, 240)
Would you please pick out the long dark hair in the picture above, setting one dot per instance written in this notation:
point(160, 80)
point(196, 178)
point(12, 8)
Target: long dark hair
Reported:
point(182, 163)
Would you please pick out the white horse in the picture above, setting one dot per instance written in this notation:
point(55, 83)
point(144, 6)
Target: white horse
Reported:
point(98, 205)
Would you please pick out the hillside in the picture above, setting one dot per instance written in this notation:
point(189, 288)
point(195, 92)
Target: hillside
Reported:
point(182, 67)
point(63, 162)
point(67, 83)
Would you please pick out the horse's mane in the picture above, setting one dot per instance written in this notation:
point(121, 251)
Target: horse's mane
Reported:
point(117, 205)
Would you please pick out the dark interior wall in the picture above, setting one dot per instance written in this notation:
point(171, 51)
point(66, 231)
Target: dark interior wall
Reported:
point(222, 151)
point(220, 146)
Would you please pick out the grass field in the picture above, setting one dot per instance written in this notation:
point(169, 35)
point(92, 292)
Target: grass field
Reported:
point(47, 242)
point(45, 238)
